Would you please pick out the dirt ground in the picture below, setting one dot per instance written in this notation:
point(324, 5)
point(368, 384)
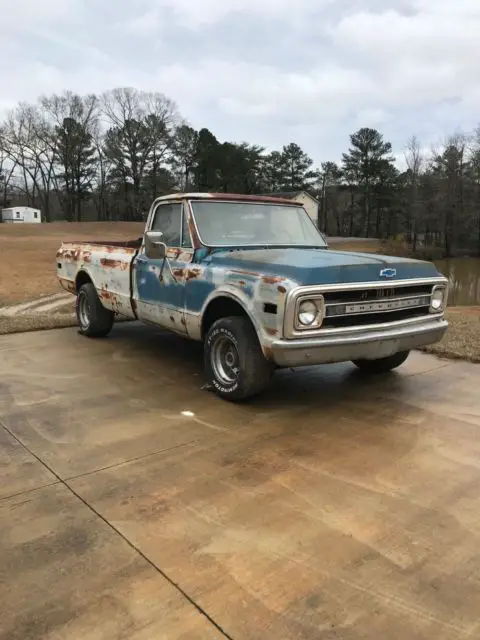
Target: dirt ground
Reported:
point(27, 254)
point(136, 505)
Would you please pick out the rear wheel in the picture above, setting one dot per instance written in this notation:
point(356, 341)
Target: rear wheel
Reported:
point(234, 363)
point(93, 319)
point(382, 365)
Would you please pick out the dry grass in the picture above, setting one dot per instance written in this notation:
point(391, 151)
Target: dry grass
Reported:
point(363, 246)
point(37, 322)
point(462, 340)
point(27, 254)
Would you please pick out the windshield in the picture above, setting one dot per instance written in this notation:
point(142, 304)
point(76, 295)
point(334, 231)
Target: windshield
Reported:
point(254, 224)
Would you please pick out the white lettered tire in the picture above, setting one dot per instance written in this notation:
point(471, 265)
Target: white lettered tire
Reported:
point(234, 363)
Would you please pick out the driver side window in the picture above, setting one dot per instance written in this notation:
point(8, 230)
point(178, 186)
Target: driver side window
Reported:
point(168, 220)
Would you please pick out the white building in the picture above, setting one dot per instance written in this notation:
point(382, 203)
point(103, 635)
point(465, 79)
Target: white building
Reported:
point(310, 203)
point(21, 214)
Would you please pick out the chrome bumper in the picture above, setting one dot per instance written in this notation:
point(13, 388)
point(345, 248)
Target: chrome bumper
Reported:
point(371, 344)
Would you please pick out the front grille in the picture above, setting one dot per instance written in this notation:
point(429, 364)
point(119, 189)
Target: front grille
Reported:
point(375, 306)
point(361, 295)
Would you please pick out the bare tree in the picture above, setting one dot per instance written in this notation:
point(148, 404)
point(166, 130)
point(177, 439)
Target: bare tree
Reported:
point(141, 126)
point(7, 170)
point(73, 119)
point(27, 140)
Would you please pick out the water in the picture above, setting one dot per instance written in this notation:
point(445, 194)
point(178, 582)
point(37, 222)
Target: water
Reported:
point(464, 276)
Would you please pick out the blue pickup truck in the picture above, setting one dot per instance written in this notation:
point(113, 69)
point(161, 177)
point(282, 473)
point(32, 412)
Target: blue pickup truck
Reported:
point(253, 278)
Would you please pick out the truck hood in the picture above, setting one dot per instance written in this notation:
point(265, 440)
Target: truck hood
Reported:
point(320, 266)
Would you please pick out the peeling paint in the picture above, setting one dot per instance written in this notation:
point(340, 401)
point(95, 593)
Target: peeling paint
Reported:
point(194, 273)
point(68, 285)
point(272, 279)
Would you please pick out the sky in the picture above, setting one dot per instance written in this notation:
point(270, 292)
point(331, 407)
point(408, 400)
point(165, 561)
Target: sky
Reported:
point(267, 72)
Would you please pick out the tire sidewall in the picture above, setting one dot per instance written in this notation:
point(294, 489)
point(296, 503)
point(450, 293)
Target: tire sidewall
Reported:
point(220, 387)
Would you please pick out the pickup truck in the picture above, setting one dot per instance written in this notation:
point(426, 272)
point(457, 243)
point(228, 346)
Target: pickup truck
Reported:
point(254, 280)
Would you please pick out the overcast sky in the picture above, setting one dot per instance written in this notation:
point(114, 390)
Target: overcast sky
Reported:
point(262, 71)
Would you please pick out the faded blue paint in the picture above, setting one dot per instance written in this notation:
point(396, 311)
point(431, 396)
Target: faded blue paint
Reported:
point(166, 292)
point(319, 266)
point(198, 289)
point(196, 292)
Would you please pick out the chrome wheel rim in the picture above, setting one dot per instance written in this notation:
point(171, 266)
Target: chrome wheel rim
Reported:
point(225, 361)
point(83, 311)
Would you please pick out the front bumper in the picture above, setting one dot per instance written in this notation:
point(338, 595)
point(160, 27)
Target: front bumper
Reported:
point(371, 344)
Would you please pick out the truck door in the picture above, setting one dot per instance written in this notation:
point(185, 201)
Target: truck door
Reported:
point(159, 285)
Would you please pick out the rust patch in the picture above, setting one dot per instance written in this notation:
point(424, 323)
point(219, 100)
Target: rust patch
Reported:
point(173, 253)
point(111, 263)
point(172, 319)
point(178, 273)
point(268, 353)
point(241, 197)
point(69, 285)
point(271, 332)
point(272, 279)
point(182, 320)
point(281, 289)
point(193, 232)
point(87, 256)
point(67, 255)
point(242, 283)
point(193, 273)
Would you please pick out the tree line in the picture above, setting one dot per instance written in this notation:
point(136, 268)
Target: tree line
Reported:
point(107, 157)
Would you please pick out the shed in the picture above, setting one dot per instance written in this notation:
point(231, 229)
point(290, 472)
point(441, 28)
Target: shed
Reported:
point(310, 203)
point(21, 215)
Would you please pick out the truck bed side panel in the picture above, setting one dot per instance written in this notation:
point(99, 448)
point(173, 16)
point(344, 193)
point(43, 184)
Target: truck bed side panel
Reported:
point(108, 266)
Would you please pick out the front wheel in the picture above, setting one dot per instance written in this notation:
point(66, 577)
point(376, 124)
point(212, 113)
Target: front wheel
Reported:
point(382, 365)
point(93, 319)
point(234, 363)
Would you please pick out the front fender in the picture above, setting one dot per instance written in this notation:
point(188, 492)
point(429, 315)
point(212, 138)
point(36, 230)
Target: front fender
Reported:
point(239, 296)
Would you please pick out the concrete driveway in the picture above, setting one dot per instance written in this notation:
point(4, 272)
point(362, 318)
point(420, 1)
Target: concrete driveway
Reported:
point(136, 505)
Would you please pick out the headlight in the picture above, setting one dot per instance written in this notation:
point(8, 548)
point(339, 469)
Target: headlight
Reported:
point(307, 312)
point(437, 302)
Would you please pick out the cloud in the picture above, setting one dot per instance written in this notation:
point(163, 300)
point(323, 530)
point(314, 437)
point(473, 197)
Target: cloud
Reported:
point(264, 71)
point(207, 12)
point(24, 15)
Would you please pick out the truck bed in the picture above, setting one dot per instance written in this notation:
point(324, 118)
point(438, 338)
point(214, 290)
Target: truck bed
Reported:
point(108, 264)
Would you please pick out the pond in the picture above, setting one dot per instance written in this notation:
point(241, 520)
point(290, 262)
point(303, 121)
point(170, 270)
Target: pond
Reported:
point(464, 277)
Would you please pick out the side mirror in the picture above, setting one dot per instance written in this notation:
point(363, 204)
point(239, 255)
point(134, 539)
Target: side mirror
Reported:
point(155, 248)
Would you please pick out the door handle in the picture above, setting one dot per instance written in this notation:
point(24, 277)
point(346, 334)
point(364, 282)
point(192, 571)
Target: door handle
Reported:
point(142, 261)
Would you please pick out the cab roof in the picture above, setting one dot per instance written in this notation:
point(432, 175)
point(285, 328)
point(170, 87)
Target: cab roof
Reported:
point(237, 197)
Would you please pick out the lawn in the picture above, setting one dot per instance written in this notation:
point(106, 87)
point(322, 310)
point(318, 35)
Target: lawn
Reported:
point(27, 254)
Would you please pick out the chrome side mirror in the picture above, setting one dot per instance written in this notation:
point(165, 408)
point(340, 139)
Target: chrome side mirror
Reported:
point(155, 248)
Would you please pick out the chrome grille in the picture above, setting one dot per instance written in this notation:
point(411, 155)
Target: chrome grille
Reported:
point(375, 305)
